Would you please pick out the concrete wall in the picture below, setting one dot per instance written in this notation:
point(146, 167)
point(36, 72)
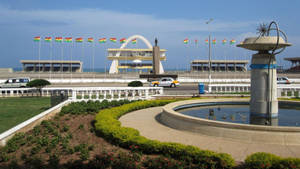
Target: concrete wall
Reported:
point(232, 131)
point(29, 124)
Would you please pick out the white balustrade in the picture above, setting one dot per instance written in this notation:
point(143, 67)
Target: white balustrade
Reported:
point(89, 93)
point(282, 90)
point(228, 88)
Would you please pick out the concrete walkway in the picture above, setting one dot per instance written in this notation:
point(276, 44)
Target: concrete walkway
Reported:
point(145, 121)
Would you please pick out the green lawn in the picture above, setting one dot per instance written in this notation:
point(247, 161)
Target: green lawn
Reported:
point(16, 110)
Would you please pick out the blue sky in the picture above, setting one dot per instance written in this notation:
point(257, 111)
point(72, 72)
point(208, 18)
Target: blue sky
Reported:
point(169, 21)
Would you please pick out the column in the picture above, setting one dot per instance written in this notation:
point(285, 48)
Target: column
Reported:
point(263, 93)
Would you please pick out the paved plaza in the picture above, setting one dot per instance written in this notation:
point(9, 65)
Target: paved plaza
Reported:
point(145, 122)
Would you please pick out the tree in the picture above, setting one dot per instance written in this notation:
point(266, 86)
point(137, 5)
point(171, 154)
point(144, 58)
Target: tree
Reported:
point(135, 84)
point(39, 84)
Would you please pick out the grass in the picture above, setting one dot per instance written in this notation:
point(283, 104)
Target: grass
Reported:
point(16, 110)
point(291, 99)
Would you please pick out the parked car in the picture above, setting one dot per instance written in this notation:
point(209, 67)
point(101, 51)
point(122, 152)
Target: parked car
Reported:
point(283, 80)
point(15, 82)
point(165, 82)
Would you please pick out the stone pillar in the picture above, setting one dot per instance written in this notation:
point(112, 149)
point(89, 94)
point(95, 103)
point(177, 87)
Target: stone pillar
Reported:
point(23, 67)
point(62, 67)
point(155, 62)
point(261, 94)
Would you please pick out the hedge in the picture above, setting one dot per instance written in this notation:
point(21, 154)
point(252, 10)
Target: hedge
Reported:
point(270, 161)
point(135, 84)
point(90, 107)
point(108, 126)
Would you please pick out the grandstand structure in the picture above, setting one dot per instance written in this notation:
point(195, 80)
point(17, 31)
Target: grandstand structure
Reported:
point(58, 66)
point(220, 65)
point(295, 64)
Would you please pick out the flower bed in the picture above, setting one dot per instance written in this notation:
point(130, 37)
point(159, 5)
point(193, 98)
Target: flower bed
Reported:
point(108, 126)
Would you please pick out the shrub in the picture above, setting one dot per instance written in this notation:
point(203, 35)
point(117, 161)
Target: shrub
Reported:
point(109, 127)
point(39, 84)
point(15, 142)
point(162, 162)
point(267, 160)
point(135, 84)
point(90, 107)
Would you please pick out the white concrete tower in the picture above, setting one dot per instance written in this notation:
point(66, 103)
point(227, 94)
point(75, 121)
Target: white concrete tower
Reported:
point(263, 101)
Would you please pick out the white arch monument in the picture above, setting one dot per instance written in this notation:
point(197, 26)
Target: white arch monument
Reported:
point(117, 54)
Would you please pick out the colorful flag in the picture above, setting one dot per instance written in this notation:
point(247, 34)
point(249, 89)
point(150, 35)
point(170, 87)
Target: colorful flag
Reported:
point(232, 42)
point(186, 41)
point(102, 40)
point(90, 39)
point(114, 40)
point(133, 41)
point(48, 39)
point(68, 39)
point(37, 39)
point(123, 40)
point(80, 40)
point(58, 39)
point(206, 41)
point(214, 41)
point(224, 41)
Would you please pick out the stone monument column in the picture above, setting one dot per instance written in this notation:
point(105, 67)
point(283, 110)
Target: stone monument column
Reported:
point(156, 57)
point(263, 85)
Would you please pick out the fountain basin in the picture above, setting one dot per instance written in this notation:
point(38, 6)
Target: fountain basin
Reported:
point(242, 132)
point(263, 43)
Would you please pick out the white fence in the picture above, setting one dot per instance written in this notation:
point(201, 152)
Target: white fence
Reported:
point(89, 93)
point(228, 88)
point(282, 90)
point(115, 93)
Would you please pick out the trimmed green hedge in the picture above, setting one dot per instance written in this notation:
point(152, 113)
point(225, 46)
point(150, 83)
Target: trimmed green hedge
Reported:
point(135, 84)
point(270, 161)
point(108, 126)
point(90, 107)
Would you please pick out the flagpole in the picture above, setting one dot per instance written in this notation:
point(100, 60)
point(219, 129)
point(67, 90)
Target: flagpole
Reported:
point(225, 61)
point(62, 65)
point(93, 61)
point(71, 60)
point(51, 64)
point(82, 56)
point(105, 61)
point(39, 59)
point(209, 56)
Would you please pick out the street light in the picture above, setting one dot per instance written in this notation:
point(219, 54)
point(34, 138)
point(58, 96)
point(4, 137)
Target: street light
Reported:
point(209, 56)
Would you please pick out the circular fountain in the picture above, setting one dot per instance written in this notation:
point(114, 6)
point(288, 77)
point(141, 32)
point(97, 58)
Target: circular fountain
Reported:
point(263, 103)
point(236, 131)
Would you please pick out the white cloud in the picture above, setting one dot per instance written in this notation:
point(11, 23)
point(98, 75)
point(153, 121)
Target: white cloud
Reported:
point(98, 23)
point(105, 20)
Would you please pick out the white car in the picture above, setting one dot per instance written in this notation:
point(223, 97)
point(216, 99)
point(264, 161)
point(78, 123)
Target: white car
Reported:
point(283, 80)
point(165, 82)
point(15, 82)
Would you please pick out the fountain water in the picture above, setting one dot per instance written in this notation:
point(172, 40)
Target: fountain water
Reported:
point(263, 102)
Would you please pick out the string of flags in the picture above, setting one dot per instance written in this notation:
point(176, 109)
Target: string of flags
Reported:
point(214, 41)
point(80, 40)
point(122, 40)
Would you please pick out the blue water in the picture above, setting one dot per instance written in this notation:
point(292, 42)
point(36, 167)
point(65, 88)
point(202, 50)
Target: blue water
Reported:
point(240, 114)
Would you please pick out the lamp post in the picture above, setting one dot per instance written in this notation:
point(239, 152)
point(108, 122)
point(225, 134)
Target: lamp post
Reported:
point(209, 56)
